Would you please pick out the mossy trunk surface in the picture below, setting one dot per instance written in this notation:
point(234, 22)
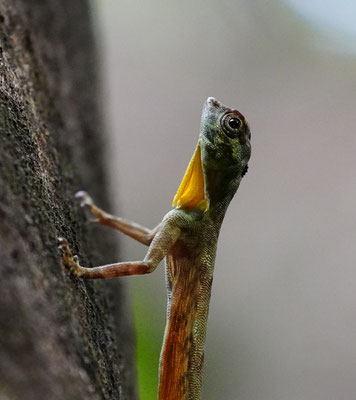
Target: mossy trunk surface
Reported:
point(60, 337)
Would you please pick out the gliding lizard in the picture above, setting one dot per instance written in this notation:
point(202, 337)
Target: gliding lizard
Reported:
point(187, 238)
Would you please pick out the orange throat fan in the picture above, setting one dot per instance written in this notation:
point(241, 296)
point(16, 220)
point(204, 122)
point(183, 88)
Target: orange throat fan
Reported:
point(191, 191)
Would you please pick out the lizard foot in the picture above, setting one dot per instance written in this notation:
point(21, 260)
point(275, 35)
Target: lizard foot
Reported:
point(84, 198)
point(70, 261)
point(87, 203)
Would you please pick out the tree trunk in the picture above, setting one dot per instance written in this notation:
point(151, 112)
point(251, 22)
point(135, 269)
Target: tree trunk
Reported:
point(60, 337)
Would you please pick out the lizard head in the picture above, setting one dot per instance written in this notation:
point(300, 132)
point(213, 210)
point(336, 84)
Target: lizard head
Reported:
point(220, 158)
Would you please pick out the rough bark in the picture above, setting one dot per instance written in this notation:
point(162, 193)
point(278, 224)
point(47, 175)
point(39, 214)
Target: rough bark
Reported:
point(60, 337)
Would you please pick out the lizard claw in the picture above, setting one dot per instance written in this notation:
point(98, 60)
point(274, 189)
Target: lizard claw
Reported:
point(86, 202)
point(84, 198)
point(70, 262)
point(64, 247)
point(76, 259)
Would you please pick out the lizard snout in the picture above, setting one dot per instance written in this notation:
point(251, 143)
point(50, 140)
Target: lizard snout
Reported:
point(212, 101)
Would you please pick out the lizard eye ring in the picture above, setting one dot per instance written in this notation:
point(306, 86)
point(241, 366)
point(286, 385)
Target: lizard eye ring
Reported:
point(231, 125)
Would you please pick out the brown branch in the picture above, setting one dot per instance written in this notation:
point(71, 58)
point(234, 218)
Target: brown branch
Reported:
point(60, 337)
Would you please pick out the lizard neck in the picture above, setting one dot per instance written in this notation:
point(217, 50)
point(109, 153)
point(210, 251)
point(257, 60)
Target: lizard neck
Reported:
point(221, 186)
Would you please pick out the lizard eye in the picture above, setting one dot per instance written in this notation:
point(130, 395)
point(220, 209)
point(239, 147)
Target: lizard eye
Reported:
point(231, 125)
point(234, 123)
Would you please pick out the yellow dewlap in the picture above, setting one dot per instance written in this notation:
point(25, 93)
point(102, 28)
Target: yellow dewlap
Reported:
point(191, 189)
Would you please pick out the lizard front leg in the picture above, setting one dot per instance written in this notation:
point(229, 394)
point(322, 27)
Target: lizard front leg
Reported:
point(160, 246)
point(129, 228)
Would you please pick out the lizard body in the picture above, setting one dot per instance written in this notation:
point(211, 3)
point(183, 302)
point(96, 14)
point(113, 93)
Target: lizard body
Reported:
point(187, 238)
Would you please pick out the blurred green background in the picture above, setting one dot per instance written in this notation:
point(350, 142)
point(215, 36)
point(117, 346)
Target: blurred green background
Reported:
point(282, 322)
